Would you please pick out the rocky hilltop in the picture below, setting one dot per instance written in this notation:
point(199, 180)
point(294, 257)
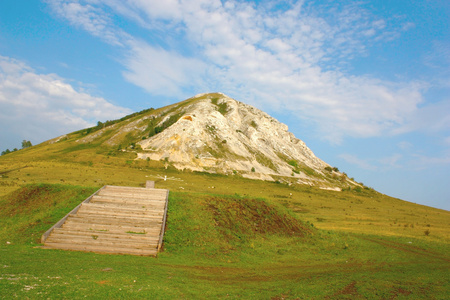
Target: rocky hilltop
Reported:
point(217, 134)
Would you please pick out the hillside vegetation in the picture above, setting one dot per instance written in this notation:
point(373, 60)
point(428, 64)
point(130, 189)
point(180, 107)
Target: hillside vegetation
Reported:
point(226, 236)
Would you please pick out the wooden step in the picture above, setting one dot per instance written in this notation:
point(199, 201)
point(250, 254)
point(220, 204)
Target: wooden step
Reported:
point(98, 239)
point(122, 189)
point(127, 202)
point(101, 249)
point(126, 235)
point(161, 197)
point(111, 228)
point(130, 218)
point(95, 219)
point(93, 241)
point(109, 222)
point(133, 189)
point(122, 220)
point(145, 214)
point(116, 208)
point(132, 195)
point(118, 214)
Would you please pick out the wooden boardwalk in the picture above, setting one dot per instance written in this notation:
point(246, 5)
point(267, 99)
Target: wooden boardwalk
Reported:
point(119, 220)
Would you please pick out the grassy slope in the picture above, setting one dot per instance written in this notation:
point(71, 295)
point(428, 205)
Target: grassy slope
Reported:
point(354, 244)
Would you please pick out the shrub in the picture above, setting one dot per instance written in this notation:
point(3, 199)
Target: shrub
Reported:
point(293, 163)
point(26, 144)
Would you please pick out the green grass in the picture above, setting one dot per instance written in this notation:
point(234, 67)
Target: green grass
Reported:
point(220, 246)
point(226, 236)
point(30, 211)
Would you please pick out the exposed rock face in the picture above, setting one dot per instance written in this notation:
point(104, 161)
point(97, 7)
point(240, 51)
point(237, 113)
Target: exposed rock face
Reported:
point(218, 134)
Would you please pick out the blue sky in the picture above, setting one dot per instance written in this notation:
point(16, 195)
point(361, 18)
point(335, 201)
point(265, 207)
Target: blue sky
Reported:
point(366, 84)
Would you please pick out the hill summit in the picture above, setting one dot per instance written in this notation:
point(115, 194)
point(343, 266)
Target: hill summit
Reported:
point(216, 134)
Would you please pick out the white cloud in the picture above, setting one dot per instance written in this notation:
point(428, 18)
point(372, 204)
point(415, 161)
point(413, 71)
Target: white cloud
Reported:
point(286, 59)
point(161, 72)
point(432, 117)
point(447, 141)
point(391, 161)
point(428, 162)
point(404, 145)
point(380, 164)
point(363, 164)
point(89, 17)
point(37, 107)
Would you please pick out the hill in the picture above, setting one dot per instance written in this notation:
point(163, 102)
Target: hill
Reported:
point(227, 236)
point(206, 133)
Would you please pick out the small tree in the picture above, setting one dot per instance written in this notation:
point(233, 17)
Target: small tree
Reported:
point(6, 151)
point(26, 144)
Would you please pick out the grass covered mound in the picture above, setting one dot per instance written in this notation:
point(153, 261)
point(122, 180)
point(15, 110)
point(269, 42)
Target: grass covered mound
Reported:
point(219, 226)
point(237, 217)
point(25, 214)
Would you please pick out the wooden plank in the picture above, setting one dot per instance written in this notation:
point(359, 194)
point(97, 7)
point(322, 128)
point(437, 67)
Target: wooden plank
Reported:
point(122, 235)
point(61, 222)
point(131, 217)
point(133, 196)
point(127, 220)
point(111, 228)
point(95, 239)
point(132, 188)
point(122, 189)
point(113, 243)
point(94, 219)
point(115, 208)
point(114, 226)
point(125, 210)
point(115, 214)
point(101, 249)
point(109, 200)
point(139, 194)
point(90, 241)
point(147, 192)
point(112, 221)
point(163, 227)
point(131, 201)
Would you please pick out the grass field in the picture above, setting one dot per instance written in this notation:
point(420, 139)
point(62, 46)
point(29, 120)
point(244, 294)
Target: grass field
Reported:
point(226, 237)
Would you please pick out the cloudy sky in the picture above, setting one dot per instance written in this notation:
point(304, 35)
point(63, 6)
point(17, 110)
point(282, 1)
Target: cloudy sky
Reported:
point(366, 84)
